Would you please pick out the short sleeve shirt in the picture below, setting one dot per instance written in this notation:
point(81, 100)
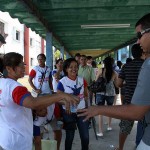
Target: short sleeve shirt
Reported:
point(129, 73)
point(16, 122)
point(74, 87)
point(141, 96)
point(37, 74)
point(87, 73)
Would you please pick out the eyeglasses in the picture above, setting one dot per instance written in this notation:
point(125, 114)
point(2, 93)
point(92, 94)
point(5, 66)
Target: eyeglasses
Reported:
point(140, 34)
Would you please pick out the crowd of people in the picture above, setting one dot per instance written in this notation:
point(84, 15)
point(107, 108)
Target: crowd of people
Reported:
point(63, 95)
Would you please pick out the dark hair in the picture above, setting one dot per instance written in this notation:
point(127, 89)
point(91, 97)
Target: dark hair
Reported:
point(1, 63)
point(77, 55)
point(128, 60)
point(94, 64)
point(144, 22)
point(67, 63)
point(57, 61)
point(109, 68)
point(136, 51)
point(89, 57)
point(42, 55)
point(119, 64)
point(12, 59)
point(83, 56)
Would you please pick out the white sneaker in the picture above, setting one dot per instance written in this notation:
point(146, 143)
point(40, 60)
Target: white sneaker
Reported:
point(100, 134)
point(109, 128)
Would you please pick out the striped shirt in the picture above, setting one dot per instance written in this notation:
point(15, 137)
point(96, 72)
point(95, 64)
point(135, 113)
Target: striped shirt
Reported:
point(129, 73)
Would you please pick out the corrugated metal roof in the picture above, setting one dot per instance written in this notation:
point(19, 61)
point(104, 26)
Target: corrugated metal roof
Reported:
point(64, 19)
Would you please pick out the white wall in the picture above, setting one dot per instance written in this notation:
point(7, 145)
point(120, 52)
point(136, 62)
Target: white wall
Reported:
point(11, 25)
point(13, 45)
point(35, 49)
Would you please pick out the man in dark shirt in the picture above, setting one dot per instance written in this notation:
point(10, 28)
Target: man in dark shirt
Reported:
point(129, 74)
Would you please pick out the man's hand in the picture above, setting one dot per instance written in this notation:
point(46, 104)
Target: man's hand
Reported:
point(69, 100)
point(88, 112)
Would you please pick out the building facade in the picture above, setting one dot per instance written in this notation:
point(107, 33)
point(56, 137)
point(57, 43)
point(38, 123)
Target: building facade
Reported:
point(20, 39)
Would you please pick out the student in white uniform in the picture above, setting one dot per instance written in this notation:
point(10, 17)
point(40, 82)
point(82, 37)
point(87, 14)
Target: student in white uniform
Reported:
point(42, 73)
point(16, 102)
point(74, 85)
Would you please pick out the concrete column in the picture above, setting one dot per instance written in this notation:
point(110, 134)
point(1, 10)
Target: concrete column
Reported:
point(119, 54)
point(116, 55)
point(67, 55)
point(49, 50)
point(62, 52)
point(42, 45)
point(130, 54)
point(26, 49)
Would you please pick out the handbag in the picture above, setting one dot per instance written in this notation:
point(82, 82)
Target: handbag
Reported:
point(33, 92)
point(99, 85)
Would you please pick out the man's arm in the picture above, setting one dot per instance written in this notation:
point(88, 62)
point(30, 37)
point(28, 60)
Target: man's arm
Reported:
point(127, 112)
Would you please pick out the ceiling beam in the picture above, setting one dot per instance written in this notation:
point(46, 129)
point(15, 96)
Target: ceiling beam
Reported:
point(66, 4)
point(33, 9)
point(114, 10)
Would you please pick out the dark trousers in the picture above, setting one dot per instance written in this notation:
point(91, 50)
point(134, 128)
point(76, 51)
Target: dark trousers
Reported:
point(140, 132)
point(83, 131)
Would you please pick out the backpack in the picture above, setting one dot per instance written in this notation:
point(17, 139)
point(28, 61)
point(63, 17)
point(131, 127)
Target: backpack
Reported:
point(99, 85)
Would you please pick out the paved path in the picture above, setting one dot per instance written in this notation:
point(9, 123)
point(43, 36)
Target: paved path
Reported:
point(109, 139)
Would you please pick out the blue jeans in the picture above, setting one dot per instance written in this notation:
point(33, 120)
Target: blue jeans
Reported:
point(100, 99)
point(70, 131)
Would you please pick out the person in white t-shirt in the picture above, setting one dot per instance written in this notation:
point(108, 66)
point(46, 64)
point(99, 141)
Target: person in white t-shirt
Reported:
point(42, 73)
point(16, 102)
point(74, 85)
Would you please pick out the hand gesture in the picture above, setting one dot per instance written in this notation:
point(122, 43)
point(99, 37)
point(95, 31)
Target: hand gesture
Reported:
point(88, 112)
point(69, 100)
